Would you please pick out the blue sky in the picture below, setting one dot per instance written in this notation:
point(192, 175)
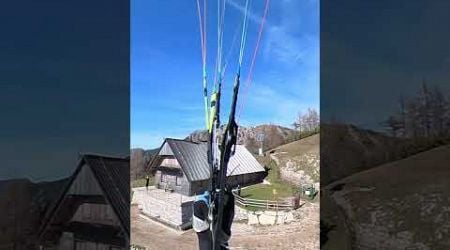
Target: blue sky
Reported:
point(64, 85)
point(374, 52)
point(166, 69)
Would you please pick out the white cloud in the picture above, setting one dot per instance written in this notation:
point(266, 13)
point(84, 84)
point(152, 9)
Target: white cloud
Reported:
point(282, 108)
point(279, 103)
point(292, 43)
point(251, 15)
point(282, 46)
point(293, 40)
point(282, 41)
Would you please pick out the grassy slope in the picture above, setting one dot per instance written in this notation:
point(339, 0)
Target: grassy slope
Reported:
point(264, 191)
point(298, 152)
point(291, 151)
point(396, 191)
point(308, 145)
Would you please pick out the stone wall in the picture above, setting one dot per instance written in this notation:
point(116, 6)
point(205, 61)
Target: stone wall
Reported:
point(170, 208)
point(263, 217)
point(176, 210)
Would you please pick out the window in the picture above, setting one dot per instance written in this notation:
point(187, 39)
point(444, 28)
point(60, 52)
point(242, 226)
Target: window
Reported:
point(178, 181)
point(163, 177)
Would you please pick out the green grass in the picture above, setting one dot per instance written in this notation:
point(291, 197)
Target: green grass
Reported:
point(141, 182)
point(265, 192)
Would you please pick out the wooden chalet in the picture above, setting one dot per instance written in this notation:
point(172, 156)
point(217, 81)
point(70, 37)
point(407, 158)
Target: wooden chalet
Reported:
point(93, 210)
point(182, 167)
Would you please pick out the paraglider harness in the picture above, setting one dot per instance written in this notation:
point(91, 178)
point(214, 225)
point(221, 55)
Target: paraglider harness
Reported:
point(218, 182)
point(218, 200)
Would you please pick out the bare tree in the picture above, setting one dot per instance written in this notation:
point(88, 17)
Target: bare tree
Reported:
point(425, 115)
point(394, 125)
point(307, 122)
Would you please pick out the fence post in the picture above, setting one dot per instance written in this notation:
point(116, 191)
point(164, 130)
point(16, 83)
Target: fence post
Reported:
point(276, 207)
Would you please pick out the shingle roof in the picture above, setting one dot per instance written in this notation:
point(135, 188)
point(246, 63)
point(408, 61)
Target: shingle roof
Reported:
point(193, 160)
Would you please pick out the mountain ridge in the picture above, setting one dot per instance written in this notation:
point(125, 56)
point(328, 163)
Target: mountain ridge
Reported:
point(274, 135)
point(23, 208)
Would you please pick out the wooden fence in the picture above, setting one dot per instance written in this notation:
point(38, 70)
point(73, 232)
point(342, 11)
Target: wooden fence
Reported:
point(288, 204)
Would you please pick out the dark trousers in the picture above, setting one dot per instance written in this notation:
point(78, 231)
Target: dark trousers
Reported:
point(205, 241)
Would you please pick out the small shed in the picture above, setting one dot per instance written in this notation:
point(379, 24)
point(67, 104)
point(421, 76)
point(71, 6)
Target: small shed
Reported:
point(93, 210)
point(181, 166)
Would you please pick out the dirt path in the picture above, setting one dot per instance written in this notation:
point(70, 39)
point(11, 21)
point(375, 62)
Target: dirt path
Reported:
point(301, 234)
point(273, 157)
point(152, 235)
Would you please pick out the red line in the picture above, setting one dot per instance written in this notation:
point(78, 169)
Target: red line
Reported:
point(255, 52)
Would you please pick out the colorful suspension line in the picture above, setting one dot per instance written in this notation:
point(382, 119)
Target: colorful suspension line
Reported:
point(219, 174)
point(202, 24)
point(233, 45)
point(213, 144)
point(243, 37)
point(219, 155)
point(252, 64)
point(214, 115)
point(221, 4)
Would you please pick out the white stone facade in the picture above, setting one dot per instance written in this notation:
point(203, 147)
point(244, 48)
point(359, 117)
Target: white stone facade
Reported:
point(168, 207)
